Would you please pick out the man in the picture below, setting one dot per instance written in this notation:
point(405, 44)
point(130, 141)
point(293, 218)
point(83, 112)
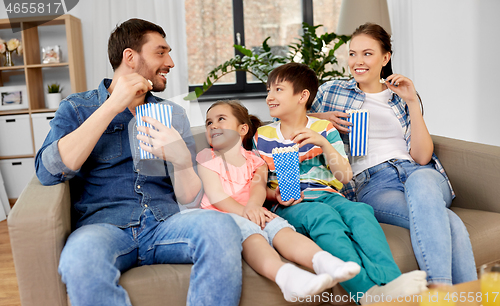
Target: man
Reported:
point(128, 212)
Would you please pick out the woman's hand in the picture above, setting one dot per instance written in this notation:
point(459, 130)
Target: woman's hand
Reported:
point(337, 119)
point(403, 87)
point(290, 202)
point(421, 141)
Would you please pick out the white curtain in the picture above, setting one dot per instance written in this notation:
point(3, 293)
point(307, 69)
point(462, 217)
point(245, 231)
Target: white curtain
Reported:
point(400, 13)
point(99, 18)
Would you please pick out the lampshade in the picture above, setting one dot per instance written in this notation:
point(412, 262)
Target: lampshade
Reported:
point(354, 13)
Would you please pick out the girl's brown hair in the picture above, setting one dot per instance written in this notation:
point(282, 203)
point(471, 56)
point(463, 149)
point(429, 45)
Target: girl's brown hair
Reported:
point(243, 117)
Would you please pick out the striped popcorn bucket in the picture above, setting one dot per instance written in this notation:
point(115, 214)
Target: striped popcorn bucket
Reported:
point(286, 163)
point(159, 111)
point(358, 136)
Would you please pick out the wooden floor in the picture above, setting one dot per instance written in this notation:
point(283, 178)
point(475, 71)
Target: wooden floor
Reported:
point(9, 292)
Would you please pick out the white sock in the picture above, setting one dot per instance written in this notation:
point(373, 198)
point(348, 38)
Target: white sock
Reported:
point(409, 283)
point(297, 283)
point(339, 270)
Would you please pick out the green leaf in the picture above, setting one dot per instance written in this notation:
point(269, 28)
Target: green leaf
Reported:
point(191, 96)
point(265, 46)
point(243, 50)
point(198, 91)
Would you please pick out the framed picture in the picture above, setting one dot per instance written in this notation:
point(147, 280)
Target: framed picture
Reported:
point(13, 97)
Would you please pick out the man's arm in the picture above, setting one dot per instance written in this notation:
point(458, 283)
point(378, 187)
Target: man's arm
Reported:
point(76, 147)
point(170, 146)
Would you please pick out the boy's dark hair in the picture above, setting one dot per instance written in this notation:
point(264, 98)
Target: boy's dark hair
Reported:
point(243, 117)
point(300, 75)
point(130, 34)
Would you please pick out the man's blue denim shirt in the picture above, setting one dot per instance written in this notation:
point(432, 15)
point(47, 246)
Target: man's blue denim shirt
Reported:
point(110, 187)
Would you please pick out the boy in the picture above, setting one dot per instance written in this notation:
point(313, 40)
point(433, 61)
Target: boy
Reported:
point(346, 229)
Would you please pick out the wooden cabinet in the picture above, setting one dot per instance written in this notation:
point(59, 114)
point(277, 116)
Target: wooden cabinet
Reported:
point(29, 70)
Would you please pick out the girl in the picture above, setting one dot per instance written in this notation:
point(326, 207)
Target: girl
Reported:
point(402, 180)
point(235, 180)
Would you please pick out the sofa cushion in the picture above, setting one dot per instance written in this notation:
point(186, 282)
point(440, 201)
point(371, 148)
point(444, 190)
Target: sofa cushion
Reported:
point(484, 233)
point(155, 284)
point(400, 245)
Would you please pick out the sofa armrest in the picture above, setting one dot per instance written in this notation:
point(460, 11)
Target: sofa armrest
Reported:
point(474, 172)
point(39, 225)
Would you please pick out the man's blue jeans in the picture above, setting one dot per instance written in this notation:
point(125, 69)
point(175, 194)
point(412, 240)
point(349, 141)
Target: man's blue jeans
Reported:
point(418, 198)
point(95, 256)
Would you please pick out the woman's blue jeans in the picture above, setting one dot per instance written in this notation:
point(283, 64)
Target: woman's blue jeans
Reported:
point(95, 256)
point(406, 194)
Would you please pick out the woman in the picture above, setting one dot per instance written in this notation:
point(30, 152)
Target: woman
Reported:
point(400, 177)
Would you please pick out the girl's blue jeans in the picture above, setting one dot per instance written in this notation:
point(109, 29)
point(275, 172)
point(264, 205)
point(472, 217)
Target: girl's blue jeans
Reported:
point(95, 256)
point(406, 194)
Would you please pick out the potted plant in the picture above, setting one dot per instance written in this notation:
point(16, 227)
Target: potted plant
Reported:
point(310, 49)
point(54, 95)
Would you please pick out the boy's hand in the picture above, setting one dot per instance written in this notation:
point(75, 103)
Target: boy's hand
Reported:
point(290, 202)
point(306, 136)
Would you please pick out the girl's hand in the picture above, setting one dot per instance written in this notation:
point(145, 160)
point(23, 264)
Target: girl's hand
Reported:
point(255, 214)
point(290, 202)
point(269, 216)
point(403, 87)
point(308, 136)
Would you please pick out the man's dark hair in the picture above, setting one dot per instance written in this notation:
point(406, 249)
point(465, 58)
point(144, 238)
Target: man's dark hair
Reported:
point(130, 34)
point(300, 75)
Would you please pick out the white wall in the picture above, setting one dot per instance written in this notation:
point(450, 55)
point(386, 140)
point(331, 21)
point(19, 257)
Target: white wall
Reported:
point(455, 63)
point(456, 66)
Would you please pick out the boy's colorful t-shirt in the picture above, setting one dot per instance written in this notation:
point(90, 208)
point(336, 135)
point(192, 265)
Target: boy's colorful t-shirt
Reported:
point(315, 174)
point(235, 181)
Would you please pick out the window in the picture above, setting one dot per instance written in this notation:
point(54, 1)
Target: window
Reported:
point(214, 26)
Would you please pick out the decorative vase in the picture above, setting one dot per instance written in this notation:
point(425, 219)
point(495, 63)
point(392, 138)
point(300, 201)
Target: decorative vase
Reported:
point(8, 58)
point(53, 99)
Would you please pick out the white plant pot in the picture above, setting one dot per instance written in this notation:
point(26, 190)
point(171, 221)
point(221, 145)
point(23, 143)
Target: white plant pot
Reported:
point(52, 100)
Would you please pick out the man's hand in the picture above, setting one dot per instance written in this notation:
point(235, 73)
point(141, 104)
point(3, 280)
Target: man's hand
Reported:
point(177, 152)
point(308, 136)
point(128, 88)
point(290, 202)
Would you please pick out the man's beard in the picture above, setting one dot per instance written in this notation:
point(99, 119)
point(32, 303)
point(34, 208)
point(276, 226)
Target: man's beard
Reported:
point(144, 70)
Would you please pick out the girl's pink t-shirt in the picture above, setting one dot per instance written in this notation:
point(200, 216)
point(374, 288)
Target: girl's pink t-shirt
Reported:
point(235, 181)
